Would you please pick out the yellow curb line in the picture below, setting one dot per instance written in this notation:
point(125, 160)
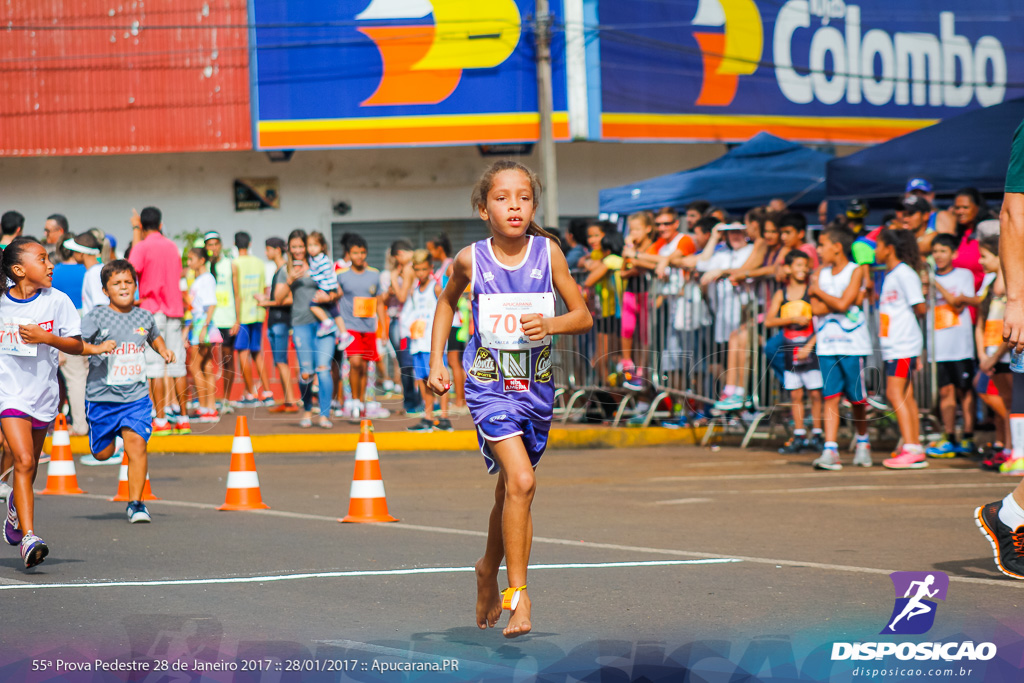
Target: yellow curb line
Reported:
point(602, 437)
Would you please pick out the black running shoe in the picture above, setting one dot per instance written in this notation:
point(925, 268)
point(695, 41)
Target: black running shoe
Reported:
point(443, 425)
point(424, 425)
point(794, 446)
point(816, 443)
point(1007, 544)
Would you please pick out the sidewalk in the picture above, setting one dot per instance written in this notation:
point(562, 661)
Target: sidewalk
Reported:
point(276, 433)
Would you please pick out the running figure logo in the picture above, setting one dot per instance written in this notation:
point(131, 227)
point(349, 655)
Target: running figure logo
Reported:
point(914, 613)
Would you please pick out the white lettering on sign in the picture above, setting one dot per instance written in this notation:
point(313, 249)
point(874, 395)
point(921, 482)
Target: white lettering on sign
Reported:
point(915, 69)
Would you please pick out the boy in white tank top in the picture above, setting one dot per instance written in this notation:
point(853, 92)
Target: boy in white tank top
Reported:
point(843, 341)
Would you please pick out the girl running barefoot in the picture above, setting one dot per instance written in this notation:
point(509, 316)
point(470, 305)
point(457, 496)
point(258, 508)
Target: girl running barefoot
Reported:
point(509, 388)
point(36, 322)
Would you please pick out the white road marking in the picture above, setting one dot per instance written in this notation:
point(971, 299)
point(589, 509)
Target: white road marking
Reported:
point(820, 489)
point(343, 574)
point(805, 475)
point(671, 552)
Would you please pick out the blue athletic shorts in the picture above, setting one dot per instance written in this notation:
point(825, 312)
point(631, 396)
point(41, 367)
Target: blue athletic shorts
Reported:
point(843, 375)
point(107, 419)
point(421, 364)
point(249, 337)
point(504, 425)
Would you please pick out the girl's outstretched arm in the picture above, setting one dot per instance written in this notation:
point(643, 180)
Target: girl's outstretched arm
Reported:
point(438, 381)
point(576, 321)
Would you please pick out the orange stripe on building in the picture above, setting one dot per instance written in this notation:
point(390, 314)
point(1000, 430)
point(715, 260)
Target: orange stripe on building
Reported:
point(734, 130)
point(435, 135)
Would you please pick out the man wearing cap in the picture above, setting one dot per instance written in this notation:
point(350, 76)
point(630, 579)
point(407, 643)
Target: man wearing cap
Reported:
point(917, 218)
point(225, 316)
point(941, 221)
point(158, 264)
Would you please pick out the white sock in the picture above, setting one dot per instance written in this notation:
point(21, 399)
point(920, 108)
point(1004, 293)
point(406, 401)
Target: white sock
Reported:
point(862, 438)
point(831, 444)
point(914, 448)
point(738, 391)
point(1011, 514)
point(1017, 435)
point(728, 391)
point(799, 432)
point(816, 432)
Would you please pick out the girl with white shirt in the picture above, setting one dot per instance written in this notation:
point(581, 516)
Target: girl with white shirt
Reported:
point(900, 304)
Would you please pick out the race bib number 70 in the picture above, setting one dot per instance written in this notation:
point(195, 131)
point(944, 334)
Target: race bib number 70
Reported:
point(500, 315)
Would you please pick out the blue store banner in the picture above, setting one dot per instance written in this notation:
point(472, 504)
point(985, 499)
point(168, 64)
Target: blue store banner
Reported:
point(372, 73)
point(807, 70)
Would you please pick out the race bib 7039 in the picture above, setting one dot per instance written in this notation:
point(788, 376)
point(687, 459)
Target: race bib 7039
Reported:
point(500, 316)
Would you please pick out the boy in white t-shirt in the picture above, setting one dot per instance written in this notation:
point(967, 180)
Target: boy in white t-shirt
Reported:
point(841, 332)
point(954, 347)
point(900, 303)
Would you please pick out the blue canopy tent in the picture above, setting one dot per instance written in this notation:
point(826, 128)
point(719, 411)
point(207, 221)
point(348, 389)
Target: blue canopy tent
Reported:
point(970, 149)
point(751, 174)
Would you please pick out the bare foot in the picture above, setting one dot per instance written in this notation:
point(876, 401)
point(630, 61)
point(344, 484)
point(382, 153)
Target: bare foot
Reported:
point(488, 598)
point(519, 623)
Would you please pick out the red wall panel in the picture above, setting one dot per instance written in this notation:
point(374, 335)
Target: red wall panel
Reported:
point(123, 76)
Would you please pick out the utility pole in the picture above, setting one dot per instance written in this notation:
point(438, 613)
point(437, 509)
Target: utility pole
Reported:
point(548, 163)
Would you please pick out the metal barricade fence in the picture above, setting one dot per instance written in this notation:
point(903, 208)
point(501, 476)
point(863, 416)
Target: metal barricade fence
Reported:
point(686, 343)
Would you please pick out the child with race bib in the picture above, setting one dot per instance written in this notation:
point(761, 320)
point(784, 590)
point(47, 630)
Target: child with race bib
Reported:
point(509, 385)
point(117, 399)
point(416, 319)
point(36, 321)
point(900, 305)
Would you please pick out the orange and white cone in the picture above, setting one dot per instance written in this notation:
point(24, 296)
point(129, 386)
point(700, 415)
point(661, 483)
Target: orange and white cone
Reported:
point(61, 479)
point(367, 502)
point(122, 485)
point(243, 482)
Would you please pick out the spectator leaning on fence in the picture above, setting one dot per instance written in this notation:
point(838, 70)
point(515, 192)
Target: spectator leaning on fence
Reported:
point(727, 301)
point(635, 302)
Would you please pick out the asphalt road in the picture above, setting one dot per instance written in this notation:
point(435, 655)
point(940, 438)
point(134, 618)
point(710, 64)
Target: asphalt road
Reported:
point(647, 562)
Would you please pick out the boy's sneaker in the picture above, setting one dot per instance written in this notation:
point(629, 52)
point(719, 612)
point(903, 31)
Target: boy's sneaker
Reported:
point(996, 459)
point(33, 550)
point(1012, 468)
point(816, 442)
point(377, 412)
point(284, 408)
point(906, 460)
point(89, 461)
point(137, 512)
point(862, 454)
point(424, 425)
point(795, 445)
point(164, 429)
point(1007, 543)
point(731, 403)
point(172, 411)
point(444, 425)
point(266, 398)
point(5, 490)
point(12, 534)
point(208, 415)
point(247, 402)
point(943, 448)
point(327, 327)
point(828, 460)
point(182, 426)
point(966, 447)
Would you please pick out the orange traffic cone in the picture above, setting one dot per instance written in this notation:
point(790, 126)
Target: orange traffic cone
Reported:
point(122, 485)
point(367, 502)
point(243, 482)
point(60, 473)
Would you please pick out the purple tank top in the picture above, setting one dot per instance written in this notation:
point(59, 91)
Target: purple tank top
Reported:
point(516, 381)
